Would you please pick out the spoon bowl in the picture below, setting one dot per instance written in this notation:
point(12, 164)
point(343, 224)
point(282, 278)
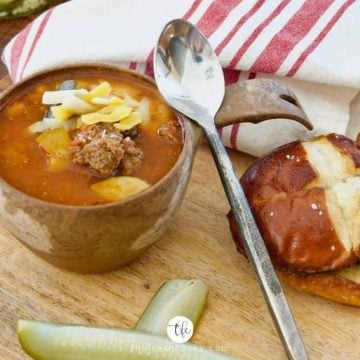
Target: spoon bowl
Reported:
point(185, 64)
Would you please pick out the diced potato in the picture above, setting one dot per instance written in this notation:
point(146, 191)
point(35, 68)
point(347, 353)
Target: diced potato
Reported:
point(55, 142)
point(60, 113)
point(78, 106)
point(100, 91)
point(116, 115)
point(59, 96)
point(118, 188)
point(129, 122)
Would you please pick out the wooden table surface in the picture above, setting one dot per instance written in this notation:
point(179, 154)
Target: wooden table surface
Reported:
point(197, 245)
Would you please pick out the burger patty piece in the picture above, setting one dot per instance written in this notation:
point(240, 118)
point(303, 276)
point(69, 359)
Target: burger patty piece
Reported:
point(105, 149)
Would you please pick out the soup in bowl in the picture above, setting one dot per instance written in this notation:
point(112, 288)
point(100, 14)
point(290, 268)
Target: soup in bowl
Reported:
point(93, 165)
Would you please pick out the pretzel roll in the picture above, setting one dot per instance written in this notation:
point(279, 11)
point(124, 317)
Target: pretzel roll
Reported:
point(305, 197)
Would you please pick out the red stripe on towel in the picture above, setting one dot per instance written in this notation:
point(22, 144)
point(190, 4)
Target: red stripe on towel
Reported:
point(231, 76)
point(319, 38)
point(215, 15)
point(16, 51)
point(233, 135)
point(254, 35)
point(275, 53)
point(132, 65)
point(192, 9)
point(238, 25)
point(37, 37)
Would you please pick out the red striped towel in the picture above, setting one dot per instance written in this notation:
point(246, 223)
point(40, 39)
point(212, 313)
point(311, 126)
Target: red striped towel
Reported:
point(307, 42)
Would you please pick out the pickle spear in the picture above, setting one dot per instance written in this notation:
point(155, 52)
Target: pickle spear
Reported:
point(46, 341)
point(175, 298)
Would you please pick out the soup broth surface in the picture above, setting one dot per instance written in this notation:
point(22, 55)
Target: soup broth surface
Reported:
point(24, 164)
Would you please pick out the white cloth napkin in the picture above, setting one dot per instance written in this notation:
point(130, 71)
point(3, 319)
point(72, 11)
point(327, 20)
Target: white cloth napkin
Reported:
point(311, 44)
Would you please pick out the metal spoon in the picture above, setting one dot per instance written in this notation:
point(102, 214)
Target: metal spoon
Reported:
point(190, 78)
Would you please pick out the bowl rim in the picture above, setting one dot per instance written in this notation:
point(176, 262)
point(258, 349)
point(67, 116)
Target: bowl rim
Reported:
point(186, 125)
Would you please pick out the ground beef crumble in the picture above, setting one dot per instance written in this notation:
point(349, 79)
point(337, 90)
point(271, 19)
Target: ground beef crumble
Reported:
point(171, 131)
point(106, 149)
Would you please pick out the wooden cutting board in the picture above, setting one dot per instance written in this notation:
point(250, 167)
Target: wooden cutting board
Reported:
point(197, 245)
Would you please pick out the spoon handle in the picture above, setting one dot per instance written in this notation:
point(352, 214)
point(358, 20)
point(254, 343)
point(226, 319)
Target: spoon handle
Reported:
point(256, 251)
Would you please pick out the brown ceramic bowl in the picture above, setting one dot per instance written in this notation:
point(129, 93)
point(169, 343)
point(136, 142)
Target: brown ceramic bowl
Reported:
point(105, 237)
point(101, 237)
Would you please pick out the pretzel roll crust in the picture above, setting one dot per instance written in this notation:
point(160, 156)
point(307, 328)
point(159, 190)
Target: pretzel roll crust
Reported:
point(305, 197)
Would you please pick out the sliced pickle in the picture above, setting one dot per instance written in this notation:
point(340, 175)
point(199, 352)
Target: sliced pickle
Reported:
point(46, 341)
point(175, 298)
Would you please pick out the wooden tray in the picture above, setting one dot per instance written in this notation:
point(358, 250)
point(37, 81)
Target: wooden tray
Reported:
point(198, 245)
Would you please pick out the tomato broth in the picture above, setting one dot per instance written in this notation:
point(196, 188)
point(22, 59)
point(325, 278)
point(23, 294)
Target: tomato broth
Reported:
point(25, 165)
